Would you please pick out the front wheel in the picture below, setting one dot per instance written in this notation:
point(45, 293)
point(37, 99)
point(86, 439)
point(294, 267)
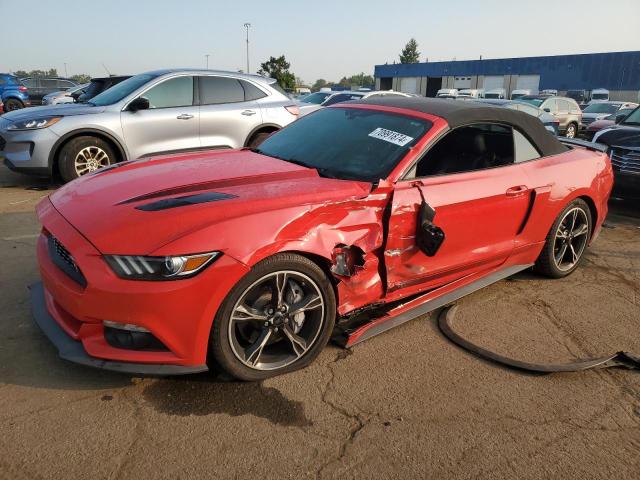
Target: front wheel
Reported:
point(83, 155)
point(566, 241)
point(275, 320)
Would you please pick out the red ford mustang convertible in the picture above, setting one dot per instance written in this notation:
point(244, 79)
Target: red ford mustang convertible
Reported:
point(350, 221)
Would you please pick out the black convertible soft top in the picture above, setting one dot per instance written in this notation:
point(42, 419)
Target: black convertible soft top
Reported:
point(458, 113)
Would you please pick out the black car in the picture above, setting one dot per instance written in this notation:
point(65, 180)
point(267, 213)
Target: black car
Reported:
point(98, 85)
point(623, 141)
point(38, 87)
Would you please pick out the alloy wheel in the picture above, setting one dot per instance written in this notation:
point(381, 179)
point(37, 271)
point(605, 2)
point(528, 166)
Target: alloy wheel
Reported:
point(276, 320)
point(571, 239)
point(571, 131)
point(90, 159)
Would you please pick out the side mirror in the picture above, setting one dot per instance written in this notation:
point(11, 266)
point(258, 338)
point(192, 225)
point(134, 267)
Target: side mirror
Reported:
point(548, 110)
point(620, 118)
point(429, 237)
point(139, 103)
point(76, 95)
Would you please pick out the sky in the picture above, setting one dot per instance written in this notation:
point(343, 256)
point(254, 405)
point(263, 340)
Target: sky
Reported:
point(328, 39)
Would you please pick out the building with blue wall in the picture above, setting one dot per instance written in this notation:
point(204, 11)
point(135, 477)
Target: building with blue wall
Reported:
point(618, 72)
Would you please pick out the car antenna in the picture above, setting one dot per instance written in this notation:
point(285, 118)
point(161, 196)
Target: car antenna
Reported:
point(105, 67)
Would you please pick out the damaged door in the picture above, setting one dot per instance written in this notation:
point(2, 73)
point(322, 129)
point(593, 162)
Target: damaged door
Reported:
point(480, 199)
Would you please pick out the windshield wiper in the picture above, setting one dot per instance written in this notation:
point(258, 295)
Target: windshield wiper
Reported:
point(290, 160)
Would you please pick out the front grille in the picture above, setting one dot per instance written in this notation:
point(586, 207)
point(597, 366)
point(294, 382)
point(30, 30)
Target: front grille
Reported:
point(61, 257)
point(625, 161)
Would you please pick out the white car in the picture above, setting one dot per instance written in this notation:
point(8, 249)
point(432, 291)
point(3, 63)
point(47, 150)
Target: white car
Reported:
point(63, 96)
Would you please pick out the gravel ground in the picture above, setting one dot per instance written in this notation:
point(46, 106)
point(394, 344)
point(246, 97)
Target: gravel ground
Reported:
point(406, 404)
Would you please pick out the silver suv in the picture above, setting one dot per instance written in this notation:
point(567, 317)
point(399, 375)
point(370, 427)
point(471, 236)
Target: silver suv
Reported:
point(565, 109)
point(148, 114)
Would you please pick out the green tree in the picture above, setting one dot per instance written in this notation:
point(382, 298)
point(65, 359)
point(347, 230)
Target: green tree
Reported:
point(278, 68)
point(320, 83)
point(81, 78)
point(410, 52)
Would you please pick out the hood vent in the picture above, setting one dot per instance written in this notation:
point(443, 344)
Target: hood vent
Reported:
point(184, 201)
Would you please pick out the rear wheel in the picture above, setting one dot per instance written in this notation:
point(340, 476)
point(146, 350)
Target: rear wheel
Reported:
point(572, 130)
point(12, 104)
point(275, 320)
point(566, 241)
point(257, 139)
point(83, 155)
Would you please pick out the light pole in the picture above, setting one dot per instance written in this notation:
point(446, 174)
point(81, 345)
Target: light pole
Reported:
point(247, 25)
point(207, 57)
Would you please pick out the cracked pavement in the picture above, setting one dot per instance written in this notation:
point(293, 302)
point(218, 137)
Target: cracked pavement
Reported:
point(405, 404)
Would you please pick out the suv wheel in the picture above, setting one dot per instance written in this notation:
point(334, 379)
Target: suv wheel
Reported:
point(83, 155)
point(12, 104)
point(571, 131)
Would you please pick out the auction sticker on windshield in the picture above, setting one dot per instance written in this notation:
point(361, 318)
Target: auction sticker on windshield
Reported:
point(391, 136)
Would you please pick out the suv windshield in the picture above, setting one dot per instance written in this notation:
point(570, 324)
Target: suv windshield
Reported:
point(121, 90)
point(316, 98)
point(533, 101)
point(347, 143)
point(633, 118)
point(601, 108)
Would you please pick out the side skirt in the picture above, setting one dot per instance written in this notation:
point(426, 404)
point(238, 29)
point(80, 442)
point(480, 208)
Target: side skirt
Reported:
point(426, 303)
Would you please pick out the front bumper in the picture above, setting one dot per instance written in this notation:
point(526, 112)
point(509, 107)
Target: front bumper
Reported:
point(73, 351)
point(178, 314)
point(28, 151)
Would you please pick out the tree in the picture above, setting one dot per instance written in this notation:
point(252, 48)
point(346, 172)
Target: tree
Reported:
point(410, 52)
point(320, 83)
point(81, 78)
point(278, 68)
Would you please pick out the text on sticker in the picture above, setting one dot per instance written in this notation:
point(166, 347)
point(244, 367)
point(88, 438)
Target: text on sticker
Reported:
point(391, 136)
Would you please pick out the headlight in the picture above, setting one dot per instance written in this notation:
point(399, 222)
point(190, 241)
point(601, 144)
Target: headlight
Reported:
point(136, 267)
point(33, 124)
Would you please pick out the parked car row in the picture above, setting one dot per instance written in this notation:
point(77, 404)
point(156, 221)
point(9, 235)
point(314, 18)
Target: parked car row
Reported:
point(317, 100)
point(148, 114)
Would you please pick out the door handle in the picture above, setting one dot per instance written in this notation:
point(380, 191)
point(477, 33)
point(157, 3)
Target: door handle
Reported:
point(184, 116)
point(517, 191)
point(248, 113)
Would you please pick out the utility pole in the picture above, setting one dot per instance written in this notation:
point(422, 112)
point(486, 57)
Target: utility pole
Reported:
point(206, 55)
point(247, 25)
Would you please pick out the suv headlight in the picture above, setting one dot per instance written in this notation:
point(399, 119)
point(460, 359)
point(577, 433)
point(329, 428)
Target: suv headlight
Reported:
point(34, 124)
point(137, 267)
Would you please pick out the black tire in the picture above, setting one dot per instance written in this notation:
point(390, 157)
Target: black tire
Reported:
point(257, 139)
point(572, 131)
point(220, 343)
point(547, 263)
point(11, 104)
point(71, 149)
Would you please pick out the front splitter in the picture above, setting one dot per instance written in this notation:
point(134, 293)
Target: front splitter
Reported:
point(73, 351)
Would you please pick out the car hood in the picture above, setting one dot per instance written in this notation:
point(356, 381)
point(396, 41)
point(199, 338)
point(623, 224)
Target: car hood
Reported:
point(621, 136)
point(140, 206)
point(50, 111)
point(595, 116)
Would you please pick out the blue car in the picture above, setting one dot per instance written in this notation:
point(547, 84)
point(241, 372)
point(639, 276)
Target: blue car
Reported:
point(13, 93)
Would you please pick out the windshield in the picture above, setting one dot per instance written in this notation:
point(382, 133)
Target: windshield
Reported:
point(600, 96)
point(347, 143)
point(633, 118)
point(316, 98)
point(601, 108)
point(121, 90)
point(533, 101)
point(492, 95)
point(341, 97)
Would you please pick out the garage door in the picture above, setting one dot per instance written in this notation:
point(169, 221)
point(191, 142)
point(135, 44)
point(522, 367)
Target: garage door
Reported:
point(409, 85)
point(528, 82)
point(462, 82)
point(492, 82)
